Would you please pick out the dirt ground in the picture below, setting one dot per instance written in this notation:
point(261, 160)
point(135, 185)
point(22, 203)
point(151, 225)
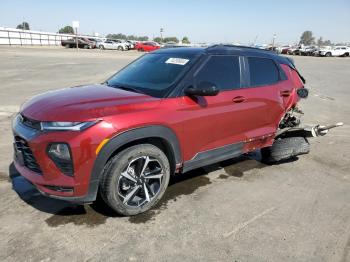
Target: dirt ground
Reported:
point(238, 210)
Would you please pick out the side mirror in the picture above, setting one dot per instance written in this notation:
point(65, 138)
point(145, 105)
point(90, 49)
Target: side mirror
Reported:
point(303, 92)
point(203, 89)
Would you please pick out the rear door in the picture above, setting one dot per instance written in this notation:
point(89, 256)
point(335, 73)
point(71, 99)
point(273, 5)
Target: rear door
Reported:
point(267, 93)
point(337, 51)
point(343, 50)
point(108, 45)
point(150, 47)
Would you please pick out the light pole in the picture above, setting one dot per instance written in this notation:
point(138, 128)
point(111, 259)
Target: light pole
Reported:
point(161, 33)
point(76, 26)
point(273, 40)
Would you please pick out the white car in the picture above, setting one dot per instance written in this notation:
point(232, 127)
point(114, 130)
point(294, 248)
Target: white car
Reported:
point(109, 44)
point(130, 44)
point(335, 51)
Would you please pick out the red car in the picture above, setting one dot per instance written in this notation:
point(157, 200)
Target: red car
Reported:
point(147, 46)
point(168, 112)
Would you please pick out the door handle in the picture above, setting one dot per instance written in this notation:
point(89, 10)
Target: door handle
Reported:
point(238, 99)
point(285, 93)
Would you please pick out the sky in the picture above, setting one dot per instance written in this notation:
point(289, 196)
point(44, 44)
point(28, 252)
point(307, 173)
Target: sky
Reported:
point(199, 20)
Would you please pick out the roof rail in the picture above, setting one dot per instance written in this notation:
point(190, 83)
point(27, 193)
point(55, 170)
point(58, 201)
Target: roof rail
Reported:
point(236, 46)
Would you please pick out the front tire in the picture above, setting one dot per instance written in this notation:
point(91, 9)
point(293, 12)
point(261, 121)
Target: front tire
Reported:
point(328, 54)
point(135, 179)
point(120, 48)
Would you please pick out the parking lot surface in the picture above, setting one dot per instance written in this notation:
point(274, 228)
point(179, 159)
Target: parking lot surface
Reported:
point(238, 210)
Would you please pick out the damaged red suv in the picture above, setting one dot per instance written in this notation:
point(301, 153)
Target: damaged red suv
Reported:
point(168, 112)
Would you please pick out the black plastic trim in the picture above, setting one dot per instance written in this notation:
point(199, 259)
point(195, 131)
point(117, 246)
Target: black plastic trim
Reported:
point(58, 162)
point(27, 133)
point(213, 156)
point(88, 198)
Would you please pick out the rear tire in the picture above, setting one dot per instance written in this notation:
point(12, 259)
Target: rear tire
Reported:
point(120, 48)
point(328, 54)
point(101, 47)
point(284, 149)
point(135, 179)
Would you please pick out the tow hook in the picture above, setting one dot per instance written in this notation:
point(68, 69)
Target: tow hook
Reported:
point(307, 131)
point(292, 142)
point(320, 130)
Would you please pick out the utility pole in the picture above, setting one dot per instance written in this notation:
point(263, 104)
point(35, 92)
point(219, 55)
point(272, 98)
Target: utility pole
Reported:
point(273, 40)
point(76, 37)
point(161, 33)
point(75, 26)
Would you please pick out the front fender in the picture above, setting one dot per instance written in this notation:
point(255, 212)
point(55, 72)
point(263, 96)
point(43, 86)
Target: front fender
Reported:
point(128, 136)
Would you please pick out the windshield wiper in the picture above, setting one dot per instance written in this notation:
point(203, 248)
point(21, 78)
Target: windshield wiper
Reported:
point(126, 88)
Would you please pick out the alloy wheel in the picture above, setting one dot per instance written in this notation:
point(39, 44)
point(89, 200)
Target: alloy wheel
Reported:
point(140, 181)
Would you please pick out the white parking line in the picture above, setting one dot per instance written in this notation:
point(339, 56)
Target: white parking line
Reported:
point(245, 224)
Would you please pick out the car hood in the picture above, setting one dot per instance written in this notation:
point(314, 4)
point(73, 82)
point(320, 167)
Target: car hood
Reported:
point(85, 103)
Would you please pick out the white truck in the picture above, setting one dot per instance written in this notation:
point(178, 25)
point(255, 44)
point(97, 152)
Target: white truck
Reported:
point(335, 51)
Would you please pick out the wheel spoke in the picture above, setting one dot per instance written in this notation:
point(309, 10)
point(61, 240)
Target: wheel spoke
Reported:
point(155, 171)
point(154, 176)
point(128, 176)
point(131, 194)
point(150, 190)
point(146, 192)
point(145, 165)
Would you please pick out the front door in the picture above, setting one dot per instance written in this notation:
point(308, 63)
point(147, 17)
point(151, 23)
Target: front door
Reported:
point(214, 121)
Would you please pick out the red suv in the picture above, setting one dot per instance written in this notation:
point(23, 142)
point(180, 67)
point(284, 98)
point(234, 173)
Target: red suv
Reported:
point(168, 112)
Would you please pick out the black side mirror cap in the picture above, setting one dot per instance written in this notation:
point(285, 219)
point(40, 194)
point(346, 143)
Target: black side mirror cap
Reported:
point(303, 92)
point(203, 89)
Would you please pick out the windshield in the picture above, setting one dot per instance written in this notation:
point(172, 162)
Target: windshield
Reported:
point(153, 74)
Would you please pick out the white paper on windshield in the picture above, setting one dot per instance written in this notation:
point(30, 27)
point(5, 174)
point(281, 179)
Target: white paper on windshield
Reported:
point(176, 61)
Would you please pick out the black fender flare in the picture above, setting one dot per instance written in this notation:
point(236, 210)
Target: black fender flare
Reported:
point(154, 131)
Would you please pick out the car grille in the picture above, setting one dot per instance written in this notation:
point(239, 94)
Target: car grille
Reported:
point(28, 157)
point(30, 122)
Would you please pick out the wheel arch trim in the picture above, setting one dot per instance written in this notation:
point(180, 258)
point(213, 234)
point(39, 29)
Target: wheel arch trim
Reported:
point(121, 139)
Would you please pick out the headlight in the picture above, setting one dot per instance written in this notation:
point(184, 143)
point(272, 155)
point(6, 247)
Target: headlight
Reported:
point(67, 126)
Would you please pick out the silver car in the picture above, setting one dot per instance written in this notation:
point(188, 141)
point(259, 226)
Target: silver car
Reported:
point(109, 44)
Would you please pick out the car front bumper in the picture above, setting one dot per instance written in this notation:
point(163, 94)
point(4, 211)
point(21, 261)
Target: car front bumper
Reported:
point(48, 179)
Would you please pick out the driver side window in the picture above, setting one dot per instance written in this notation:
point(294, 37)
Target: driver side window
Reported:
point(222, 71)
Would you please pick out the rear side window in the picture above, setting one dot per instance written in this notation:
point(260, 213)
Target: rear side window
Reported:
point(223, 71)
point(263, 71)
